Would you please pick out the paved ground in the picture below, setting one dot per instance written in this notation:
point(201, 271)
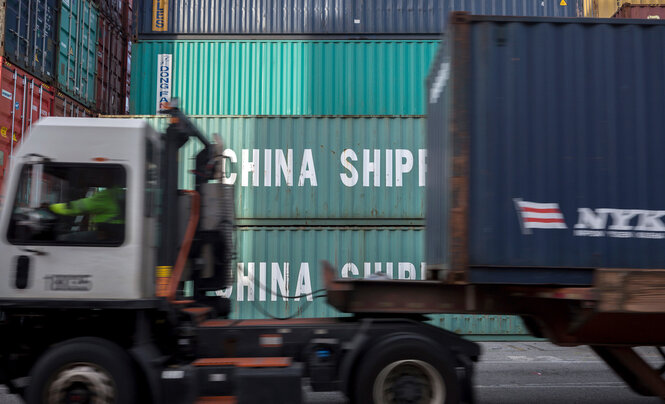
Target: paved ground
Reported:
point(533, 372)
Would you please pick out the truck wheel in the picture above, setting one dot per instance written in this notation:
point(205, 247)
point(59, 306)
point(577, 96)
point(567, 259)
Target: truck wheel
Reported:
point(406, 371)
point(85, 371)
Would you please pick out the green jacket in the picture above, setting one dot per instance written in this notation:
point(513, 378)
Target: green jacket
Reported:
point(103, 207)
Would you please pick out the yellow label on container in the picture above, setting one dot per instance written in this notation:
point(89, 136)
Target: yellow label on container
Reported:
point(160, 15)
point(563, 3)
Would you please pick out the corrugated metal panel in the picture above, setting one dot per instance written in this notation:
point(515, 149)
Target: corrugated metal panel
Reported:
point(66, 106)
point(110, 76)
point(23, 101)
point(647, 11)
point(77, 53)
point(30, 29)
point(393, 190)
point(329, 16)
point(569, 114)
point(265, 255)
point(286, 77)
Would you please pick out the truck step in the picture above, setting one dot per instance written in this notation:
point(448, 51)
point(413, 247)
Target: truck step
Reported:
point(265, 362)
point(217, 400)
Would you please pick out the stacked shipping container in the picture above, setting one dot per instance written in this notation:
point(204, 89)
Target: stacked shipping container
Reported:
point(334, 168)
point(23, 100)
point(76, 52)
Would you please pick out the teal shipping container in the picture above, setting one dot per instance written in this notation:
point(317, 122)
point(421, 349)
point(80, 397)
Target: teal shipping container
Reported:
point(284, 261)
point(282, 77)
point(314, 170)
point(284, 231)
point(77, 37)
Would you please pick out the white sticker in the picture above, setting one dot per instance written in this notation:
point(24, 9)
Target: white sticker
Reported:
point(164, 75)
point(7, 94)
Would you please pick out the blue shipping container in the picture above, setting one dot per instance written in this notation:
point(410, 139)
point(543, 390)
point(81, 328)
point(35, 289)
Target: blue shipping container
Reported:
point(332, 17)
point(545, 142)
point(30, 36)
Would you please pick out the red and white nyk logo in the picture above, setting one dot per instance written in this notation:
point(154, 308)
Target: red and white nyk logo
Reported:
point(534, 215)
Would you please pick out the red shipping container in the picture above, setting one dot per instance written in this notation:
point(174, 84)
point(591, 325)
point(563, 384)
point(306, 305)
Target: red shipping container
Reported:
point(641, 11)
point(127, 71)
point(17, 116)
point(66, 106)
point(113, 57)
point(4, 162)
point(110, 81)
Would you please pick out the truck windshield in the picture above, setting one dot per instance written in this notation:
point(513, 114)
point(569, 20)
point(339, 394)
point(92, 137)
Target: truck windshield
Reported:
point(82, 204)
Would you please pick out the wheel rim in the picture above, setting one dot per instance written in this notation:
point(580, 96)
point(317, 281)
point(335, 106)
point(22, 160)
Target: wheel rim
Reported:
point(81, 383)
point(409, 381)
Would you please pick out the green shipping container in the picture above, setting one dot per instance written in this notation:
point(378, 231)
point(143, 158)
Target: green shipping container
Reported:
point(282, 77)
point(314, 169)
point(284, 261)
point(77, 61)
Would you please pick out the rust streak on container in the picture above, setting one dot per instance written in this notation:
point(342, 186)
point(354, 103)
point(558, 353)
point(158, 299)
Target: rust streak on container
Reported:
point(461, 34)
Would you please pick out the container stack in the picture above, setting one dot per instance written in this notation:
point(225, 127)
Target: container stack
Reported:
point(62, 58)
point(320, 106)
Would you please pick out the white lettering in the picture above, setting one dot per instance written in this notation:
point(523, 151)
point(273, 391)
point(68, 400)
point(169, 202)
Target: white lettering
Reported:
point(307, 171)
point(422, 166)
point(406, 270)
point(285, 165)
point(650, 221)
point(620, 218)
point(304, 283)
point(349, 180)
point(389, 168)
point(262, 281)
point(232, 158)
point(389, 270)
point(279, 280)
point(588, 219)
point(267, 170)
point(372, 167)
point(349, 267)
point(403, 164)
point(250, 166)
point(245, 281)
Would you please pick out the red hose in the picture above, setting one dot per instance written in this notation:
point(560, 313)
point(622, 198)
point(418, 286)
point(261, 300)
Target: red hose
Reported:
point(186, 245)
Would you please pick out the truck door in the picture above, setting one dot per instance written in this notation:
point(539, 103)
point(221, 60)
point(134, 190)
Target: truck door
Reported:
point(66, 232)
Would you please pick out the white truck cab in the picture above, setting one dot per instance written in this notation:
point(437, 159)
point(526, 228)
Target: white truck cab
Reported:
point(45, 255)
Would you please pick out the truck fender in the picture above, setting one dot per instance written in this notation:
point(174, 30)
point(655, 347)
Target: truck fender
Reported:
point(147, 357)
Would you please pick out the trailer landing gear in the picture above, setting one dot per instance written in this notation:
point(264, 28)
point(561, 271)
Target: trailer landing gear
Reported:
point(636, 372)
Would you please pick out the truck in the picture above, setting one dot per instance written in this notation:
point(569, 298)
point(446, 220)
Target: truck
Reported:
point(96, 239)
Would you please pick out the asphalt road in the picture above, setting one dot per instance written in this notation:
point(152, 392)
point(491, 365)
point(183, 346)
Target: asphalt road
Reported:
point(534, 372)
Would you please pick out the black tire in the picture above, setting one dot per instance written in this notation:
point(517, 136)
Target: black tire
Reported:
point(92, 366)
point(417, 372)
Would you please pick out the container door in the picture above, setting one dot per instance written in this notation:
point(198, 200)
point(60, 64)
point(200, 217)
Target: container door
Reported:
point(43, 41)
point(77, 55)
point(30, 34)
point(16, 32)
point(4, 157)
